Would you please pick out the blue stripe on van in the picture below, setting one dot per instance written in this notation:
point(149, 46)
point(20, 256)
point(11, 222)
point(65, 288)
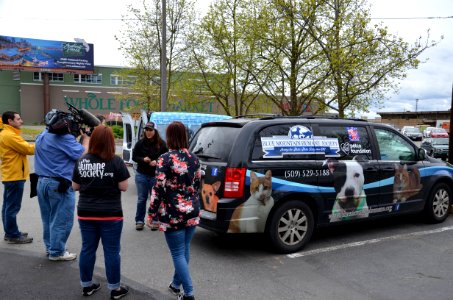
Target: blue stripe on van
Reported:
point(437, 171)
point(290, 186)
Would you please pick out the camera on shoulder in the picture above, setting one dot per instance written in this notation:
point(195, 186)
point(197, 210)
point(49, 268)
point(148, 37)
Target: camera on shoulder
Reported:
point(59, 122)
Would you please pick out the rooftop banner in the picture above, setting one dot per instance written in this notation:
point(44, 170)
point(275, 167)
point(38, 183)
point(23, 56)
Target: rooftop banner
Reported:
point(45, 56)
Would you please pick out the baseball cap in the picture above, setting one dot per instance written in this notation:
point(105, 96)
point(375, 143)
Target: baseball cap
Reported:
point(149, 125)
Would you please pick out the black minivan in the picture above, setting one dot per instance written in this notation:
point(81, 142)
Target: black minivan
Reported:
point(285, 176)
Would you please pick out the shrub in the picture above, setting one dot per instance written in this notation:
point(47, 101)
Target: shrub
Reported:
point(117, 131)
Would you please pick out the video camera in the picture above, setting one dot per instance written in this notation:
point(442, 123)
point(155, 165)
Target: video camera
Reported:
point(59, 122)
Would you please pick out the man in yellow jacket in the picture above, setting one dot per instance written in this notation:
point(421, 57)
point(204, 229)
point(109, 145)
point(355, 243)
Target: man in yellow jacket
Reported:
point(14, 172)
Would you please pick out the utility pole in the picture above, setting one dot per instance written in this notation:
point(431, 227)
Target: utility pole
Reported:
point(163, 59)
point(416, 105)
point(450, 138)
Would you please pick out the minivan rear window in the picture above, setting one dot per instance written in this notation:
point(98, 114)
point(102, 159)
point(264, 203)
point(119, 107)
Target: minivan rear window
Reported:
point(214, 143)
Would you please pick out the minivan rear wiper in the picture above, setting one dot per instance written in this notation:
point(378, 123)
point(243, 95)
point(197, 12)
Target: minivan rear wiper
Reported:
point(207, 156)
point(198, 150)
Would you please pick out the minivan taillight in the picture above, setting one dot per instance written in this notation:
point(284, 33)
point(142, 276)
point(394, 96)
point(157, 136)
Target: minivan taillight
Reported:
point(234, 182)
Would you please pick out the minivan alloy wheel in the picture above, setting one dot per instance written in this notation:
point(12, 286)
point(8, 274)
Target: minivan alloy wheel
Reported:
point(441, 203)
point(292, 227)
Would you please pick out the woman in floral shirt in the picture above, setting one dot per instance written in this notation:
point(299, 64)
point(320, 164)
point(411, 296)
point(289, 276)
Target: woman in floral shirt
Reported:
point(175, 201)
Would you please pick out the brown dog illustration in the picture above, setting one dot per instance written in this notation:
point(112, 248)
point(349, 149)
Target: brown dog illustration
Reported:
point(208, 194)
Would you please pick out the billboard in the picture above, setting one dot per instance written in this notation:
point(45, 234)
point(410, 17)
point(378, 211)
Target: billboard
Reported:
point(45, 56)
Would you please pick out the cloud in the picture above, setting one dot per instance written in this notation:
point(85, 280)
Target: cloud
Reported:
point(98, 21)
point(431, 83)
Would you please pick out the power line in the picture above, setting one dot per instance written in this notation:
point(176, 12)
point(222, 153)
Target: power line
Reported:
point(134, 19)
point(411, 18)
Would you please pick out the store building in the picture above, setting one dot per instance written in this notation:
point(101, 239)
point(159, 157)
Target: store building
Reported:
point(420, 118)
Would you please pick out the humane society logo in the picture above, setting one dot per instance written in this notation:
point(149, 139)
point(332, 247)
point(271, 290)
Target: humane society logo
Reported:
point(300, 140)
point(87, 169)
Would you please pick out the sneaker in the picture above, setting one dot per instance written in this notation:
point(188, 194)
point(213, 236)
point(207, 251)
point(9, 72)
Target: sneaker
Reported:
point(174, 290)
point(116, 294)
point(25, 234)
point(90, 290)
point(155, 225)
point(65, 256)
point(184, 297)
point(139, 226)
point(20, 240)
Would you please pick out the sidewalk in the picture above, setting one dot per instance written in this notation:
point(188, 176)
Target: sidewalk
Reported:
point(23, 275)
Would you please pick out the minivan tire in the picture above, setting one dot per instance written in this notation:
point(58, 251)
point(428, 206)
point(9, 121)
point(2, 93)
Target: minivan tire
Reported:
point(438, 204)
point(290, 226)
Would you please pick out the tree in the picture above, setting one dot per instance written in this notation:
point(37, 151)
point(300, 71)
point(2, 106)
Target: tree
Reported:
point(290, 71)
point(140, 41)
point(364, 61)
point(224, 53)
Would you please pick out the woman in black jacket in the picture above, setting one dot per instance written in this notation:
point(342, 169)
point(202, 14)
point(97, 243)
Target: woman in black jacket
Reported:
point(145, 154)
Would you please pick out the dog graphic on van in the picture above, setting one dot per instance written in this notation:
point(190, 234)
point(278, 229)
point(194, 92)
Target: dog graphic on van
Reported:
point(251, 215)
point(209, 197)
point(348, 179)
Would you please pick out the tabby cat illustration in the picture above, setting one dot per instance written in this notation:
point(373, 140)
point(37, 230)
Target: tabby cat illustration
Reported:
point(251, 215)
point(406, 184)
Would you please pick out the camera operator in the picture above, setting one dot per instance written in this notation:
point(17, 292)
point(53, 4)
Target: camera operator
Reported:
point(55, 156)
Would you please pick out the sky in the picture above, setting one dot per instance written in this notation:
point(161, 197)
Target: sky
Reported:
point(97, 21)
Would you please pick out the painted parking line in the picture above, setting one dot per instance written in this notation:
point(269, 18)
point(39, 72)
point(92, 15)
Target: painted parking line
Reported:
point(368, 242)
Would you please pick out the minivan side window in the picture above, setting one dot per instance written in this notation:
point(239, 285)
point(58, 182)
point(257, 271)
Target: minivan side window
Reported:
point(353, 140)
point(394, 147)
point(283, 142)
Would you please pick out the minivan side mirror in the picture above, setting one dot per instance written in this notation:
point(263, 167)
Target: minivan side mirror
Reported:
point(421, 154)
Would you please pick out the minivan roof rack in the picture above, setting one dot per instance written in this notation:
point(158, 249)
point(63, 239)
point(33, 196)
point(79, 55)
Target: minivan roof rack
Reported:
point(258, 115)
point(265, 116)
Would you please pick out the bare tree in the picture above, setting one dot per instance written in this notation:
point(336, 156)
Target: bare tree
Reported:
point(224, 53)
point(364, 61)
point(140, 41)
point(290, 72)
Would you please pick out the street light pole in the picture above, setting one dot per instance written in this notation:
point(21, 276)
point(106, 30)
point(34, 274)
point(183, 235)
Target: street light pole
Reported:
point(163, 59)
point(450, 139)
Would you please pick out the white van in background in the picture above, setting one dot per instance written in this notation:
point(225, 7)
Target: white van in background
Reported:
point(133, 129)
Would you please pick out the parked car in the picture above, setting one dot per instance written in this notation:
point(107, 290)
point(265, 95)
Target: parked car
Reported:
point(286, 176)
point(436, 147)
point(438, 133)
point(412, 132)
point(404, 128)
point(427, 131)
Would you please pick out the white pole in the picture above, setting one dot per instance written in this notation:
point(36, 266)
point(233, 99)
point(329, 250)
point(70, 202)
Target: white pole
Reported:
point(163, 59)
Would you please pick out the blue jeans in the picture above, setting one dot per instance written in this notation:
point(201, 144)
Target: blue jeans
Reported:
point(144, 185)
point(110, 233)
point(57, 214)
point(179, 244)
point(12, 201)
